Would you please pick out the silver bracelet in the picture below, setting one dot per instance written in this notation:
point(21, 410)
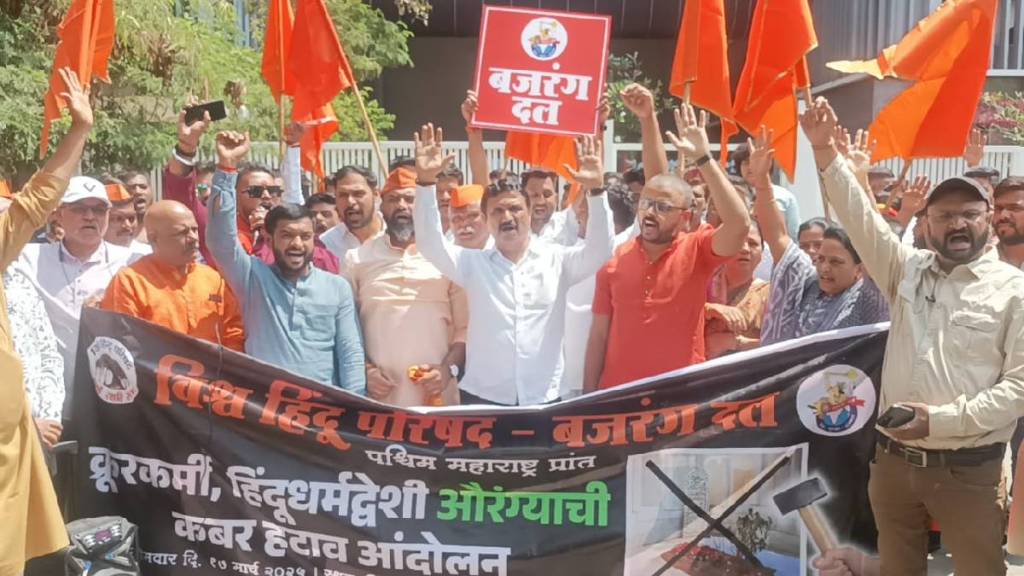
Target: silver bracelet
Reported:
point(190, 162)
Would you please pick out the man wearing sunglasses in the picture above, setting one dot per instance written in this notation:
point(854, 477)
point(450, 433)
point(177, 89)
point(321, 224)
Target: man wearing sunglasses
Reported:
point(256, 190)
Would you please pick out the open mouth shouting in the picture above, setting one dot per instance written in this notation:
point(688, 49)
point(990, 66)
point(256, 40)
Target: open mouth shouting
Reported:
point(959, 242)
point(295, 258)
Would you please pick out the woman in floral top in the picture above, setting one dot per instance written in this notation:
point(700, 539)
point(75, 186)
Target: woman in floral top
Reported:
point(808, 296)
point(36, 344)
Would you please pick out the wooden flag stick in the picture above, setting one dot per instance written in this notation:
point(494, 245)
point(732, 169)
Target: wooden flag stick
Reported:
point(280, 127)
point(281, 76)
point(809, 99)
point(906, 170)
point(687, 88)
point(370, 130)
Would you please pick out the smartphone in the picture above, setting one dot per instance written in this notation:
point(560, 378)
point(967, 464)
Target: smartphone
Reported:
point(895, 417)
point(216, 110)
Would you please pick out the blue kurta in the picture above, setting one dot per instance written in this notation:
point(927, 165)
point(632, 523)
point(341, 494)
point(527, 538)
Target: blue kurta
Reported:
point(309, 327)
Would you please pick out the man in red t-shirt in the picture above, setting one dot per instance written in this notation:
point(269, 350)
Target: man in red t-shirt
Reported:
point(649, 301)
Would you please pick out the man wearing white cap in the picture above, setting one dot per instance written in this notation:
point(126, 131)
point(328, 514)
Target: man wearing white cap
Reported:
point(75, 271)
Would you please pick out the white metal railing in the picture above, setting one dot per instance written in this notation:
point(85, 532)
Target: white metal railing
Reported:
point(1009, 160)
point(1008, 37)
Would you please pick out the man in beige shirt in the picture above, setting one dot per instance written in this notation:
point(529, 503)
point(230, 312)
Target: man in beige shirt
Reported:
point(30, 519)
point(955, 356)
point(414, 318)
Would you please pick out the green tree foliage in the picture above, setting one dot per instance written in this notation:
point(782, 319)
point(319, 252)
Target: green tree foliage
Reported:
point(167, 51)
point(624, 70)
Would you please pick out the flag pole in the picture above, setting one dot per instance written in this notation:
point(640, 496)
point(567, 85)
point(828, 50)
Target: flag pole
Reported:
point(687, 88)
point(809, 98)
point(906, 170)
point(370, 130)
point(280, 127)
point(907, 163)
point(281, 76)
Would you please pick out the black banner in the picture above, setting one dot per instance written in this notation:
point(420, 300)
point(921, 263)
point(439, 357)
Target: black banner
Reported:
point(232, 467)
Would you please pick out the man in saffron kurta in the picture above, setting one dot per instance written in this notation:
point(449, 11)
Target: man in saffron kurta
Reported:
point(30, 520)
point(171, 289)
point(412, 315)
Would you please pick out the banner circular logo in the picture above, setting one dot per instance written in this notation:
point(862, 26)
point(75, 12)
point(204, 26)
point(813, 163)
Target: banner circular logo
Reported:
point(836, 401)
point(544, 39)
point(112, 368)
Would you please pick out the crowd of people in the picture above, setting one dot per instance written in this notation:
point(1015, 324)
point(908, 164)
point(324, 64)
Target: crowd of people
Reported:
point(433, 288)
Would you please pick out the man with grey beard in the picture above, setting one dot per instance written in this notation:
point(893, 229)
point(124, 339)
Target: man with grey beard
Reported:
point(414, 318)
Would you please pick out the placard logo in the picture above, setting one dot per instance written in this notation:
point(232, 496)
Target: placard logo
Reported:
point(113, 371)
point(836, 401)
point(544, 39)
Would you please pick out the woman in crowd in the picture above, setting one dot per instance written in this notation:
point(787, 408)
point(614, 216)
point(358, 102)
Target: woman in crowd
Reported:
point(810, 235)
point(809, 294)
point(734, 314)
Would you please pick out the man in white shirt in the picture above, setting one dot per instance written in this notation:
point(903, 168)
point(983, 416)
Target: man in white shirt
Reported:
point(517, 289)
point(356, 197)
point(580, 298)
point(74, 272)
point(547, 222)
point(123, 221)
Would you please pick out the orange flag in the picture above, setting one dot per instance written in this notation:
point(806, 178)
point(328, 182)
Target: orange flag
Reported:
point(946, 56)
point(317, 71)
point(276, 45)
point(325, 124)
point(781, 35)
point(317, 67)
point(702, 61)
point(86, 41)
point(542, 150)
point(545, 151)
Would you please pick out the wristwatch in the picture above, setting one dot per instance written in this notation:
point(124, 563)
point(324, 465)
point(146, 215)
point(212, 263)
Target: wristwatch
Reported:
point(453, 369)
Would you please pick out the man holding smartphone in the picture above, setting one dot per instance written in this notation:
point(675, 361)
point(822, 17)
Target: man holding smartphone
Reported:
point(954, 367)
point(257, 192)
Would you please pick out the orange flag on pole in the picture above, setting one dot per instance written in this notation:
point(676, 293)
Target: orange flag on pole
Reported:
point(781, 35)
point(702, 62)
point(86, 41)
point(546, 151)
point(947, 57)
point(317, 72)
point(317, 67)
point(276, 45)
point(325, 124)
point(543, 150)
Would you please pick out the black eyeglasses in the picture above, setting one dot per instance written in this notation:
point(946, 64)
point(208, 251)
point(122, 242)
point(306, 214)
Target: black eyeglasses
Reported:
point(257, 191)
